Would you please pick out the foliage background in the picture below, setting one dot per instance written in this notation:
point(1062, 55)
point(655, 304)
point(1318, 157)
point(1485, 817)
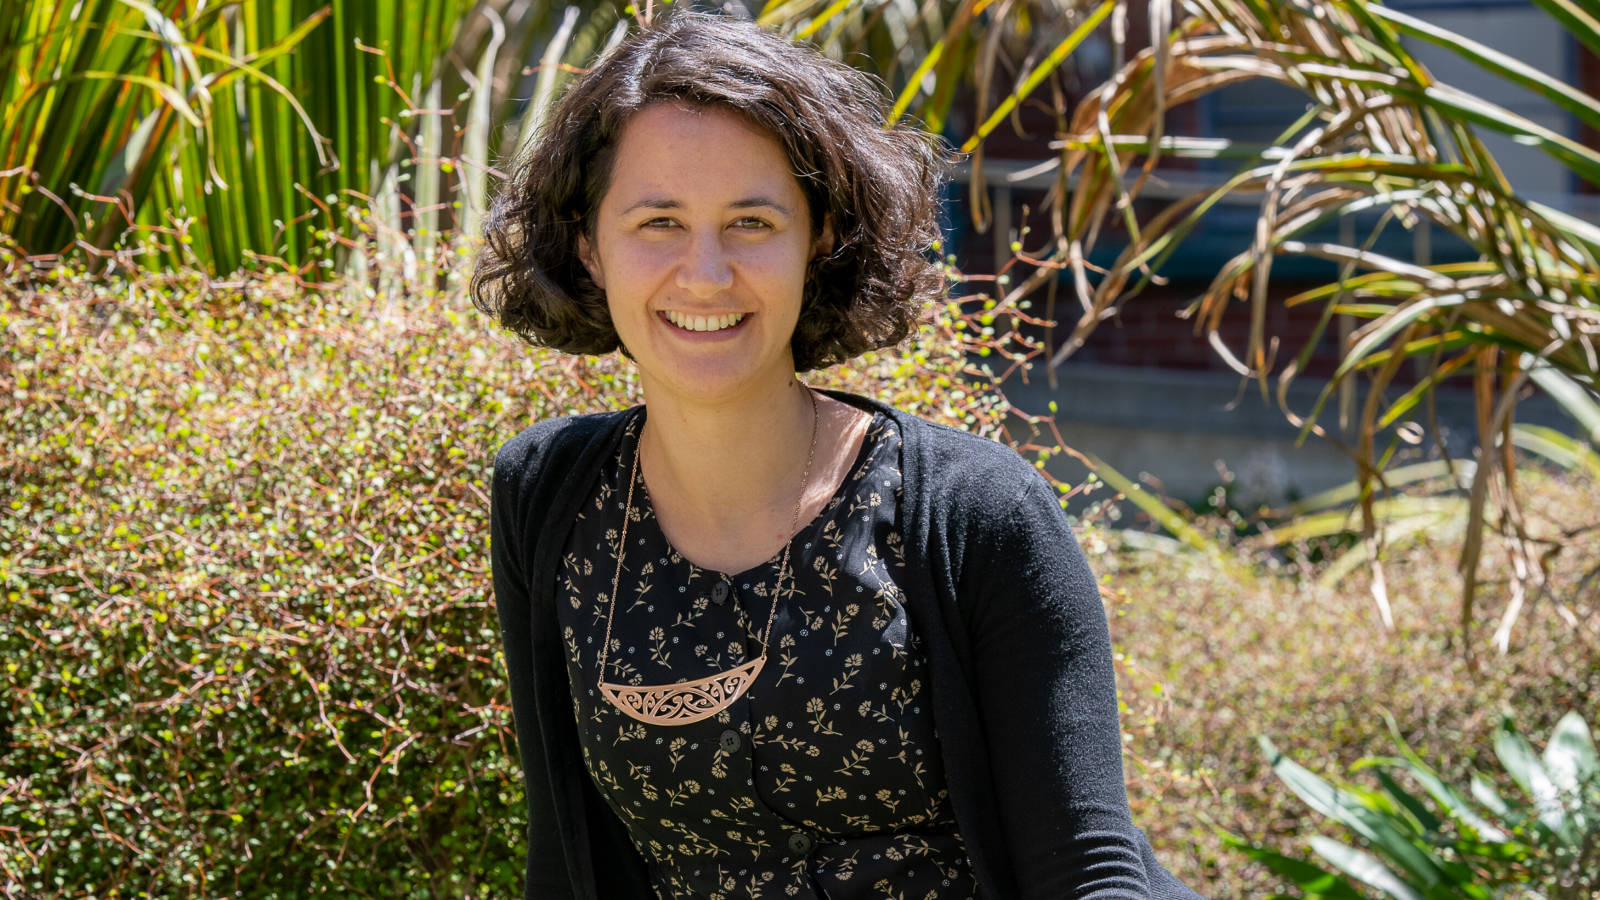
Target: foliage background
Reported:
point(249, 647)
point(247, 639)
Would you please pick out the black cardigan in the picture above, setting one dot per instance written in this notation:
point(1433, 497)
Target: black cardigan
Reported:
point(1024, 697)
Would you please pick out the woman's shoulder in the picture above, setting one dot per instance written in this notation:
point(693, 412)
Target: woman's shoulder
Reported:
point(554, 442)
point(953, 456)
point(955, 460)
point(966, 480)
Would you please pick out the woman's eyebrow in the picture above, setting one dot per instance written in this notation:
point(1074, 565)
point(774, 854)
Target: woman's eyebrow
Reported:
point(759, 202)
point(746, 203)
point(654, 203)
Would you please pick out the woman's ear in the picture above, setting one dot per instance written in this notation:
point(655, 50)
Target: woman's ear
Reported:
point(823, 245)
point(590, 261)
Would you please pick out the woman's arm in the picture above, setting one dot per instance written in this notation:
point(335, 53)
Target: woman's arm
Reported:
point(1047, 699)
point(547, 876)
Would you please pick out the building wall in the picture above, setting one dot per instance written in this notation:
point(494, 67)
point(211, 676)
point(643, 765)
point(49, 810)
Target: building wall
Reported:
point(1524, 32)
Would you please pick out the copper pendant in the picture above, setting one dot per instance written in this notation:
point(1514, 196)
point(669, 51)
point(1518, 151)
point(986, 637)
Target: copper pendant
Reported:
point(692, 701)
point(684, 704)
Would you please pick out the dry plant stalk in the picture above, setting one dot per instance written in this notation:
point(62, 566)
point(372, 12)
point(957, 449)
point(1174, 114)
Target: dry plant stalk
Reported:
point(1381, 135)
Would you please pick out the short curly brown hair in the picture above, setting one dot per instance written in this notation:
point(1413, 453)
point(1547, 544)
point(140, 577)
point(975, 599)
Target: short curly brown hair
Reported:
point(876, 186)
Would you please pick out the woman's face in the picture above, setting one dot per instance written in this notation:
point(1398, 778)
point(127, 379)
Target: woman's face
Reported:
point(701, 246)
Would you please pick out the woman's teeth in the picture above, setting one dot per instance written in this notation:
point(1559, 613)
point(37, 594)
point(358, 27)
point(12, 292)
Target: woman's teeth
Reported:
point(704, 323)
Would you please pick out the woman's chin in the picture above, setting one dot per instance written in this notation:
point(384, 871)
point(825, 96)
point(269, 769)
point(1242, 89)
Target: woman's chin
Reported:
point(710, 381)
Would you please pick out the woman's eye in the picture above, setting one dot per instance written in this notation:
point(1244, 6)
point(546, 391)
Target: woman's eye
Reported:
point(659, 223)
point(750, 222)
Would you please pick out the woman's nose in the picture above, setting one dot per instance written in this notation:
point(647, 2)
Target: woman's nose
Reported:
point(705, 271)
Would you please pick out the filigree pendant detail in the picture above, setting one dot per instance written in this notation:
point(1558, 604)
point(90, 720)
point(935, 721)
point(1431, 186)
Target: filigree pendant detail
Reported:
point(684, 704)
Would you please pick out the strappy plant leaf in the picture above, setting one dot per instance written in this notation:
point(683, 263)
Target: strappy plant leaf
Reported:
point(1416, 851)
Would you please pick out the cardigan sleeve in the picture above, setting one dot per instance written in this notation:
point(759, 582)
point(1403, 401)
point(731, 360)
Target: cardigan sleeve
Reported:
point(1047, 700)
point(511, 545)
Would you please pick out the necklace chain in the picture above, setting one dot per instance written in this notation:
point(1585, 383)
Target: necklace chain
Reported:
point(777, 588)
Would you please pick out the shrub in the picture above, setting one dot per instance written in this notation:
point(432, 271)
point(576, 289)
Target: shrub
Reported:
point(1214, 654)
point(249, 648)
point(248, 638)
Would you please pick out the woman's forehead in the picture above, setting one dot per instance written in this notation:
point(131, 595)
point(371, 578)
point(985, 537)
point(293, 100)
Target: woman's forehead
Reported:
point(673, 155)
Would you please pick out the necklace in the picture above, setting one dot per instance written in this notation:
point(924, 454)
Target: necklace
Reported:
point(691, 701)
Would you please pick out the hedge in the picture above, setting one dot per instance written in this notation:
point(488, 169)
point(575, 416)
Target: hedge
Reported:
point(248, 636)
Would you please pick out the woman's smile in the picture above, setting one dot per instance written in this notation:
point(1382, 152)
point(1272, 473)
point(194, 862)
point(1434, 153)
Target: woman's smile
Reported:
point(721, 324)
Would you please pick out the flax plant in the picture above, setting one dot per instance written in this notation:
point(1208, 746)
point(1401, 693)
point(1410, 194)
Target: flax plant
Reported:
point(1381, 133)
point(1381, 136)
point(228, 131)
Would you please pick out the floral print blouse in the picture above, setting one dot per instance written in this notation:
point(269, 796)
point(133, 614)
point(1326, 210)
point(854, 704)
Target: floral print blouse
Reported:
point(822, 782)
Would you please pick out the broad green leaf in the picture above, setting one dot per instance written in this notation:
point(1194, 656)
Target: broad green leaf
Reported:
point(1569, 758)
point(1573, 100)
point(1579, 158)
point(1424, 817)
point(1569, 225)
point(1350, 812)
point(1449, 799)
point(1564, 450)
point(1525, 768)
point(1363, 867)
point(1314, 881)
point(1573, 397)
point(1484, 791)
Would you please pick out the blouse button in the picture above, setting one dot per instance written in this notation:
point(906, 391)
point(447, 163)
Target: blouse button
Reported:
point(730, 741)
point(719, 592)
point(799, 844)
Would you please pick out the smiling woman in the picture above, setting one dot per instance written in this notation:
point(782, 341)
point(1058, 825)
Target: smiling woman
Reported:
point(763, 641)
point(701, 245)
point(875, 188)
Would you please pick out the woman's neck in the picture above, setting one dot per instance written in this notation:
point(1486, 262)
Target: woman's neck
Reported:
point(731, 451)
point(724, 477)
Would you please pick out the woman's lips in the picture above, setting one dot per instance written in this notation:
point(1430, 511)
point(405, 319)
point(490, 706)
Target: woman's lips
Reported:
point(697, 329)
point(703, 323)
